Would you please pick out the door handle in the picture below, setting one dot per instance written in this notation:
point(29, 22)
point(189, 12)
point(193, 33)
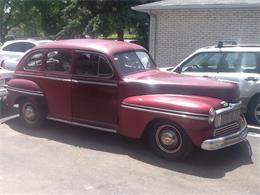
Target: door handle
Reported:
point(251, 79)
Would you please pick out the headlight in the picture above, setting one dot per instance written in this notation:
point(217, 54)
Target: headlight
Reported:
point(212, 115)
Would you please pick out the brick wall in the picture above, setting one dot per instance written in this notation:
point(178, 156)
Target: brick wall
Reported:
point(180, 32)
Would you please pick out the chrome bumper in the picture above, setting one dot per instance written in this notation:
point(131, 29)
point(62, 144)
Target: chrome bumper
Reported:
point(225, 141)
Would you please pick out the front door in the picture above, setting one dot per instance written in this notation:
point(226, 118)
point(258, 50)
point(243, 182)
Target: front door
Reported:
point(202, 64)
point(94, 90)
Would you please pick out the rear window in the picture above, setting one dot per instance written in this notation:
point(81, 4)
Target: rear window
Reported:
point(35, 62)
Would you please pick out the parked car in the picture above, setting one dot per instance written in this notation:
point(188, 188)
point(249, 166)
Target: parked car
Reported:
point(10, 54)
point(10, 64)
point(115, 86)
point(229, 62)
point(16, 48)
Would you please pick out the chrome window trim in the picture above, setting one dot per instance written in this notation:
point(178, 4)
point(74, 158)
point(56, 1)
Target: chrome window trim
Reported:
point(43, 77)
point(166, 112)
point(94, 83)
point(83, 125)
point(25, 91)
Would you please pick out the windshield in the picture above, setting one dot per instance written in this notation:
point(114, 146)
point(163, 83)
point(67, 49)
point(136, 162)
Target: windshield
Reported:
point(133, 62)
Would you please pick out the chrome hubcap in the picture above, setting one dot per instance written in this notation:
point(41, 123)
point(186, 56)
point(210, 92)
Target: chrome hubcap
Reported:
point(29, 112)
point(168, 138)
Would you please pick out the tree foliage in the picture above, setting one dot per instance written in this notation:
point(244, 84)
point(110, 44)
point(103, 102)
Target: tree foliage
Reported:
point(104, 17)
point(74, 18)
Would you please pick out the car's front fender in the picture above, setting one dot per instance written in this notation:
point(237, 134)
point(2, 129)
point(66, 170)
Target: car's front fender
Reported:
point(190, 112)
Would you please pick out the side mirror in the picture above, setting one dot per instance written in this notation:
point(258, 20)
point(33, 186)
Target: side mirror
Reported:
point(178, 69)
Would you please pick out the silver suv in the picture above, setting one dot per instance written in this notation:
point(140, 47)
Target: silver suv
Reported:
point(229, 62)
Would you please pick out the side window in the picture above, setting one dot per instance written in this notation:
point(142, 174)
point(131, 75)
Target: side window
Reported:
point(28, 46)
point(104, 69)
point(35, 62)
point(249, 62)
point(92, 64)
point(202, 62)
point(58, 61)
point(230, 62)
point(15, 47)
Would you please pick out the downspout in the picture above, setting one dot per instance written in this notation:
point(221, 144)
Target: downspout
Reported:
point(154, 45)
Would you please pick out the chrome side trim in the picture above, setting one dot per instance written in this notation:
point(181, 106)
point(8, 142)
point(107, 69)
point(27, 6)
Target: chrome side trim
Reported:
point(166, 112)
point(95, 83)
point(82, 125)
point(43, 77)
point(25, 91)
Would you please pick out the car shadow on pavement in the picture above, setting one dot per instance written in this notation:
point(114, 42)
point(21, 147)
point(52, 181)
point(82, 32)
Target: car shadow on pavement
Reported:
point(214, 164)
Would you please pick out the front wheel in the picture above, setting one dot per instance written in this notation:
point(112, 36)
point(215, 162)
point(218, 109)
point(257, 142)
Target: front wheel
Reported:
point(30, 114)
point(254, 111)
point(169, 140)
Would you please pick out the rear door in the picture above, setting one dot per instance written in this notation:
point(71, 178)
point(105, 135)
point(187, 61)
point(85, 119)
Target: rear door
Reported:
point(241, 68)
point(57, 83)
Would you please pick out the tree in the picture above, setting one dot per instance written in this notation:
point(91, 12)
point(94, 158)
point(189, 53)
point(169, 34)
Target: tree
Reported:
point(14, 13)
point(117, 16)
point(104, 17)
point(52, 15)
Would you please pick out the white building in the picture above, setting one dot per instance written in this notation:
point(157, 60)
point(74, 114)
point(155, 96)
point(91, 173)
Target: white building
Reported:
point(178, 27)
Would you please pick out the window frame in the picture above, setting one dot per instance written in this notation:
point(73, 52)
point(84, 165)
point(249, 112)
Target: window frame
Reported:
point(28, 59)
point(204, 52)
point(11, 45)
point(76, 54)
point(240, 54)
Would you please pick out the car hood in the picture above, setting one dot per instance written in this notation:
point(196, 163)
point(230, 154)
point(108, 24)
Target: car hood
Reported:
point(158, 82)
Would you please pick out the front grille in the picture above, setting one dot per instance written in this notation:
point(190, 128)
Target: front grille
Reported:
point(227, 129)
point(227, 117)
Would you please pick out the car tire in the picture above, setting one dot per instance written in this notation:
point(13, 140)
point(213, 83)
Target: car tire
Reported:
point(169, 140)
point(254, 111)
point(30, 114)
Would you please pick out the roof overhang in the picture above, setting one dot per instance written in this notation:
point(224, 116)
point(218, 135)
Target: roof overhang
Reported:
point(172, 5)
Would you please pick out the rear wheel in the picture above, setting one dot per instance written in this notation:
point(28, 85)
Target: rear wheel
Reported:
point(30, 114)
point(254, 111)
point(169, 140)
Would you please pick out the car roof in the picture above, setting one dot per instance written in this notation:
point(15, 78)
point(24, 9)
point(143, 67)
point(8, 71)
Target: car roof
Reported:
point(236, 48)
point(109, 47)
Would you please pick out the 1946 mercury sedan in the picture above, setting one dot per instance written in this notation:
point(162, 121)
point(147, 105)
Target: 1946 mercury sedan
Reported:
point(115, 87)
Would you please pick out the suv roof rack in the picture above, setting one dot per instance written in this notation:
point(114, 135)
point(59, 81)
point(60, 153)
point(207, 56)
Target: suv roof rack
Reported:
point(226, 44)
point(234, 44)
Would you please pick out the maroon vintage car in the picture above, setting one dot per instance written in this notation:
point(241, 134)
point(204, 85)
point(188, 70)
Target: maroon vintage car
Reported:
point(115, 87)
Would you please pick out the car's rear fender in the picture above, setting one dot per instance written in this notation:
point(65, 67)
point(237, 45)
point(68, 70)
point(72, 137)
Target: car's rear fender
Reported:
point(19, 89)
point(190, 112)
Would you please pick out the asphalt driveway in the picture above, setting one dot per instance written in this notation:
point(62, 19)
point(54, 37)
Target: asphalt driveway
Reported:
point(64, 159)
